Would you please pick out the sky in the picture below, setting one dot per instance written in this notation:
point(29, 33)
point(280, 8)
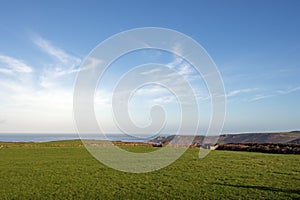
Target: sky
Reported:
point(254, 44)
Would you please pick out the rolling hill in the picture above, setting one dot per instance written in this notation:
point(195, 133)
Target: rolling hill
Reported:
point(280, 137)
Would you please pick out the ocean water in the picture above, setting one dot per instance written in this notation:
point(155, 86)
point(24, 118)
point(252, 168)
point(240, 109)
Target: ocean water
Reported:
point(25, 137)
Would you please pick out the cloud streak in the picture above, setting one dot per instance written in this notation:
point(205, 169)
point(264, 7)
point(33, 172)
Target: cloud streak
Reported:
point(288, 91)
point(64, 64)
point(276, 93)
point(13, 65)
point(57, 53)
point(234, 93)
point(40, 97)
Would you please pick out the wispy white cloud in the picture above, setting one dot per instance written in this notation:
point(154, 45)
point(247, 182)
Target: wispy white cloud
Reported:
point(165, 99)
point(181, 66)
point(155, 70)
point(240, 91)
point(102, 98)
point(39, 98)
point(156, 94)
point(14, 86)
point(6, 71)
point(27, 107)
point(177, 49)
point(64, 64)
point(261, 96)
point(13, 65)
point(184, 69)
point(274, 94)
point(68, 60)
point(151, 90)
point(184, 74)
point(175, 62)
point(290, 90)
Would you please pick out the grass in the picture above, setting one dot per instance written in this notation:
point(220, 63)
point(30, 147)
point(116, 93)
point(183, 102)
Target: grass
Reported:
point(65, 170)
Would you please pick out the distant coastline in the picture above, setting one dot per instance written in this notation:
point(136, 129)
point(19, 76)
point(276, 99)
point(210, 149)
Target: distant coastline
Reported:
point(263, 137)
point(48, 137)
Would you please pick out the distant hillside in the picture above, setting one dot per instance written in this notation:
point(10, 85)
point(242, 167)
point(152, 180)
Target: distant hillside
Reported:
point(281, 137)
point(296, 141)
point(284, 137)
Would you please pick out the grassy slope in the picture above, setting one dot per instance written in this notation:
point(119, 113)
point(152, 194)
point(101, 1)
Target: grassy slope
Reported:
point(65, 170)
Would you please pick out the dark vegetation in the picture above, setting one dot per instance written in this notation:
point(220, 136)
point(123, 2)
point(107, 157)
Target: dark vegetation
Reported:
point(262, 147)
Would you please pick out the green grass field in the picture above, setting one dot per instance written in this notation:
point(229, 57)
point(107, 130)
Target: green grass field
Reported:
point(65, 170)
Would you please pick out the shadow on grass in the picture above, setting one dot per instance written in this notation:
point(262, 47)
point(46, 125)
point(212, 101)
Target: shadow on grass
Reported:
point(265, 188)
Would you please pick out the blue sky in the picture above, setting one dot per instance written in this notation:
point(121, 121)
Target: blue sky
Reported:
point(255, 44)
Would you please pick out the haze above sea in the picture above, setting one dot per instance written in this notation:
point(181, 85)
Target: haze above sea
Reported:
point(46, 137)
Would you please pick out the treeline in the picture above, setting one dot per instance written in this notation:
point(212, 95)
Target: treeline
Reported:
point(262, 147)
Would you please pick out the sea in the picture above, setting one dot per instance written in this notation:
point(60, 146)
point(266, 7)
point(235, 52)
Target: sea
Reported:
point(46, 137)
